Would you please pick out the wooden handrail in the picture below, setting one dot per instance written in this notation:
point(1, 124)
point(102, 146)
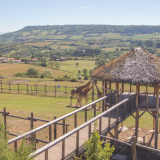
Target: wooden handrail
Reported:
point(56, 120)
point(58, 140)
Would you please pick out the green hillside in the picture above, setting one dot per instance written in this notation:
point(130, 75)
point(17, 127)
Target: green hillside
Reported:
point(109, 41)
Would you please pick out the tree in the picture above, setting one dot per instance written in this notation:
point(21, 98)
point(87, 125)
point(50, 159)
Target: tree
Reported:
point(100, 61)
point(47, 74)
point(51, 63)
point(33, 71)
point(44, 62)
point(57, 65)
point(85, 71)
point(79, 72)
point(94, 149)
point(77, 64)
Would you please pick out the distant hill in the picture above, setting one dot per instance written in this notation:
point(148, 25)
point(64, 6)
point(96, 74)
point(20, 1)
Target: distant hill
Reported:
point(70, 32)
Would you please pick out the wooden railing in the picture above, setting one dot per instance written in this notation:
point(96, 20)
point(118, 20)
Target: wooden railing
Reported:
point(88, 123)
point(54, 122)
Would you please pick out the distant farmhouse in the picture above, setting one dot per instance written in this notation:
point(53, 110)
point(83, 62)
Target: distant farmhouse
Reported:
point(3, 60)
point(17, 61)
point(33, 60)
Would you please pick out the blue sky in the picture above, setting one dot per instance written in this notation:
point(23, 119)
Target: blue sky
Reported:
point(16, 14)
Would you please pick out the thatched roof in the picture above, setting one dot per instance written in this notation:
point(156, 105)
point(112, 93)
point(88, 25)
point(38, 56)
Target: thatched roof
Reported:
point(138, 65)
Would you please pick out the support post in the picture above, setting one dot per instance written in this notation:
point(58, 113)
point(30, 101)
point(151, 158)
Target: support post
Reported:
point(110, 98)
point(134, 148)
point(18, 88)
point(5, 123)
point(116, 137)
point(137, 112)
point(27, 88)
point(75, 120)
point(130, 88)
point(50, 133)
point(63, 149)
point(92, 92)
point(55, 129)
point(55, 90)
point(122, 87)
point(65, 90)
point(103, 90)
point(77, 143)
point(157, 111)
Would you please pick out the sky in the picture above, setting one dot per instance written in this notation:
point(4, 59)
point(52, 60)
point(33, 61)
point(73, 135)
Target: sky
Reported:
point(16, 14)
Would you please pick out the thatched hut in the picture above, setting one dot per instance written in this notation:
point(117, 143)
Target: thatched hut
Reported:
point(135, 67)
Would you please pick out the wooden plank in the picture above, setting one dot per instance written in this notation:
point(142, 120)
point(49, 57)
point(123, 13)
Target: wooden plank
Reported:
point(46, 155)
point(63, 149)
point(122, 87)
point(100, 125)
point(50, 133)
point(86, 115)
point(130, 88)
point(75, 120)
point(63, 126)
point(55, 129)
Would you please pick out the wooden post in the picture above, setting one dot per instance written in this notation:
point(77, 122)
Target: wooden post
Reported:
point(137, 112)
point(134, 148)
point(50, 133)
point(93, 92)
point(55, 90)
point(45, 89)
point(46, 154)
point(75, 120)
point(15, 146)
point(9, 88)
point(100, 125)
point(105, 87)
point(110, 98)
point(63, 149)
point(77, 143)
point(31, 89)
point(63, 126)
point(36, 89)
point(1, 87)
point(130, 88)
point(122, 87)
point(65, 90)
point(5, 122)
point(32, 135)
point(89, 130)
point(157, 114)
point(103, 91)
point(18, 88)
point(55, 129)
point(117, 93)
point(86, 115)
point(154, 119)
point(116, 137)
point(27, 88)
point(109, 121)
point(94, 110)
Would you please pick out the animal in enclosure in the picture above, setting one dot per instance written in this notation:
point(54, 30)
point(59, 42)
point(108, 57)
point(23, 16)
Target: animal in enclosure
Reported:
point(83, 94)
point(78, 90)
point(99, 95)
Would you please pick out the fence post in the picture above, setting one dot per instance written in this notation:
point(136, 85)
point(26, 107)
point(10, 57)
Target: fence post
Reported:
point(89, 130)
point(65, 90)
point(63, 149)
point(134, 148)
point(33, 136)
point(27, 88)
point(63, 126)
point(55, 90)
point(5, 122)
point(1, 87)
point(18, 88)
point(36, 89)
point(15, 146)
point(55, 129)
point(86, 115)
point(9, 88)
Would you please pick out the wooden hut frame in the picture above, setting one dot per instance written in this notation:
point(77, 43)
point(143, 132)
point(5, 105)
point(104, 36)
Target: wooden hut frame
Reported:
point(135, 67)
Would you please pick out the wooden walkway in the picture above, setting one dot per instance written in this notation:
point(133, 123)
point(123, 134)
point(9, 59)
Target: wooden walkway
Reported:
point(55, 153)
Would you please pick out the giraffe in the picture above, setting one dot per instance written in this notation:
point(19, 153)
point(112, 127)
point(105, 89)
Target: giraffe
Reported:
point(83, 94)
point(99, 95)
point(77, 91)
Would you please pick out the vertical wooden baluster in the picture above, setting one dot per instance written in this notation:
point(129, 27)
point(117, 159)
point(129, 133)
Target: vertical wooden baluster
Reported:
point(77, 143)
point(86, 115)
point(75, 120)
point(55, 129)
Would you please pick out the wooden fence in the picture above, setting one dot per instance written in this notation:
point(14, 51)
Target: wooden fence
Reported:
point(47, 90)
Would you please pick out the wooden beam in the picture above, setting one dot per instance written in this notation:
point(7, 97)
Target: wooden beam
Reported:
point(117, 94)
point(116, 137)
point(92, 92)
point(122, 87)
point(157, 113)
point(103, 91)
point(154, 118)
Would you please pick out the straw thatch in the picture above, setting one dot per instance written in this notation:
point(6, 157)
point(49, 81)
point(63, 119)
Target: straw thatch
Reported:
point(138, 65)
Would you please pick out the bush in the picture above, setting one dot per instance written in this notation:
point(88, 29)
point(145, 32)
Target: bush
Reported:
point(33, 72)
point(47, 74)
point(94, 149)
point(79, 77)
point(74, 80)
point(20, 74)
point(7, 154)
point(86, 77)
point(59, 79)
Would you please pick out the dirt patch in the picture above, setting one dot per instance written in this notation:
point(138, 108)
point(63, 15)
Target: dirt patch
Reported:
point(18, 81)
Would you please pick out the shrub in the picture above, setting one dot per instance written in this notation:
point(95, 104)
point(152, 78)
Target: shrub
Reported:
point(32, 71)
point(94, 149)
point(47, 73)
point(59, 79)
point(79, 77)
point(74, 80)
point(20, 74)
point(7, 154)
point(86, 77)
